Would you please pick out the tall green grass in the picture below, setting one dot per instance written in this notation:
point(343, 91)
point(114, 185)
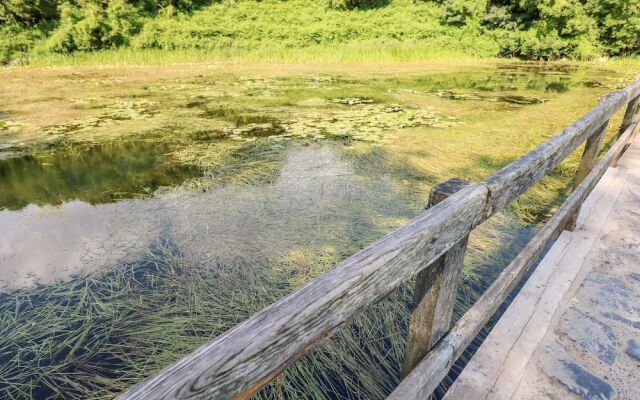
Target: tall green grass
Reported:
point(353, 52)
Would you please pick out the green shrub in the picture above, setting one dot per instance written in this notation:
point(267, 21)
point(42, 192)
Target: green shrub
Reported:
point(509, 41)
point(546, 29)
point(567, 18)
point(92, 26)
point(531, 29)
point(463, 12)
point(618, 24)
point(16, 42)
point(170, 6)
point(27, 12)
point(565, 29)
point(352, 4)
point(499, 17)
point(549, 46)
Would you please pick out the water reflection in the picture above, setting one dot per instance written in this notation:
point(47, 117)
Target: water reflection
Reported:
point(185, 265)
point(317, 200)
point(94, 174)
point(47, 244)
point(508, 78)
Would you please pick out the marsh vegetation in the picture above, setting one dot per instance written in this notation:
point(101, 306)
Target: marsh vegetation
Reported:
point(53, 30)
point(176, 201)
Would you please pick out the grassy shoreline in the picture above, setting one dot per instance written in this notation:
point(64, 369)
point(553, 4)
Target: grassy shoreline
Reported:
point(299, 30)
point(347, 54)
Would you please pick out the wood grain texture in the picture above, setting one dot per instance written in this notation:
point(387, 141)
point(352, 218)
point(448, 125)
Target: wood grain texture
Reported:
point(629, 116)
point(629, 113)
point(242, 360)
point(434, 292)
point(424, 379)
point(516, 178)
point(589, 157)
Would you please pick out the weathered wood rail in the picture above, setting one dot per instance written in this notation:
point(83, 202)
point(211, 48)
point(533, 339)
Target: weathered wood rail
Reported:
point(241, 361)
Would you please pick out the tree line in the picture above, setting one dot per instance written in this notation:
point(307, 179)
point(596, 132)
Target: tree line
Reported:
point(529, 29)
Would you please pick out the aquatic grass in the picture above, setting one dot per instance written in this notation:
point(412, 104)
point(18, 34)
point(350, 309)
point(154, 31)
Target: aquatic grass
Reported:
point(98, 334)
point(95, 335)
point(167, 323)
point(239, 117)
point(219, 99)
point(228, 161)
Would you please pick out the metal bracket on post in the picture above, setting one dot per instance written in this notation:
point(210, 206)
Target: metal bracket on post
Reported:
point(435, 291)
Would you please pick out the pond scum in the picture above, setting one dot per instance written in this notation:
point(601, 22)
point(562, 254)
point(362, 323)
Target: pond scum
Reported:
point(95, 335)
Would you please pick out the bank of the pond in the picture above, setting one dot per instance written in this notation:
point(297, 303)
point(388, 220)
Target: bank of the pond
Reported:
point(297, 167)
point(356, 54)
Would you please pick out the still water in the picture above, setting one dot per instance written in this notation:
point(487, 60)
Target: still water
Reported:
point(118, 255)
point(94, 174)
point(51, 242)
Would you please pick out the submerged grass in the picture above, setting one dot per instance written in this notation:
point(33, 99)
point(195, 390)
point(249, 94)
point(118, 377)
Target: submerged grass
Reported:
point(233, 162)
point(95, 335)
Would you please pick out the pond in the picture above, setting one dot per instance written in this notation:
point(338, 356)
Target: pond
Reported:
point(141, 217)
point(96, 174)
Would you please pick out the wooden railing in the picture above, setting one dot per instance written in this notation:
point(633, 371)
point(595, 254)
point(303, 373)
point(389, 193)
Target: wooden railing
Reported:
point(241, 361)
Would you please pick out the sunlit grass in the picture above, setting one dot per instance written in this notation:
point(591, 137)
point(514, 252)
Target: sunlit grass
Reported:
point(95, 335)
point(356, 52)
point(349, 53)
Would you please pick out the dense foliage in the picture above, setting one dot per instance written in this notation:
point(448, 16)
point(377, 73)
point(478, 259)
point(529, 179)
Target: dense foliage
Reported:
point(532, 29)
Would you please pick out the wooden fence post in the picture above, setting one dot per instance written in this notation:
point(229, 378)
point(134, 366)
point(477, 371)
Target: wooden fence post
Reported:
point(626, 122)
point(589, 157)
point(435, 291)
point(628, 115)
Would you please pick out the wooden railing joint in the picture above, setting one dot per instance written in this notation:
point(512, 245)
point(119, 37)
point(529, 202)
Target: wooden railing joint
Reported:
point(435, 289)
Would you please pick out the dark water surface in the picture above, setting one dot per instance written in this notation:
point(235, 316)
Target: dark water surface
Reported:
point(95, 174)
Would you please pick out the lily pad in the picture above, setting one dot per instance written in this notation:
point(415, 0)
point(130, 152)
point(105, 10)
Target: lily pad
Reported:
point(352, 101)
point(521, 100)
point(512, 99)
point(459, 96)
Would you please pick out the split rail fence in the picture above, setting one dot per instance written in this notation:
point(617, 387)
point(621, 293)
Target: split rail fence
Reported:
point(241, 361)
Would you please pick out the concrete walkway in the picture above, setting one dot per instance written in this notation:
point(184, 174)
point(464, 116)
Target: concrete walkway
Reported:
point(573, 332)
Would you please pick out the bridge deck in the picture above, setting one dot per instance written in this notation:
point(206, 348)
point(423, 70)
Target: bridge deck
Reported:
point(574, 329)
